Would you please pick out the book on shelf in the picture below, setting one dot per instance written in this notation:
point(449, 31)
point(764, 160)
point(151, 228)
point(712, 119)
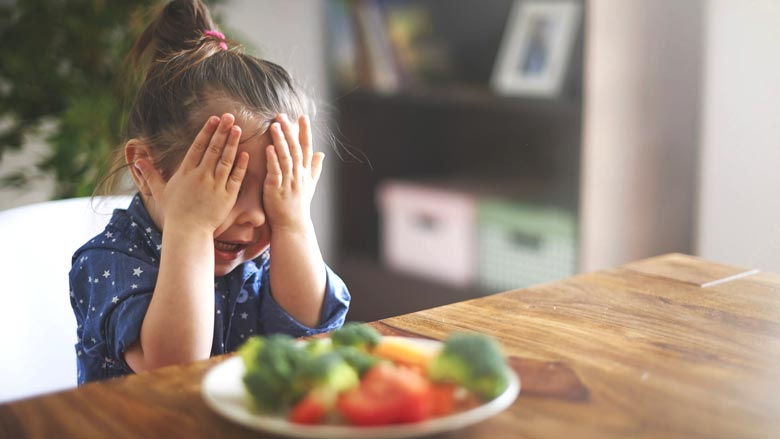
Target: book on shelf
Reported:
point(384, 45)
point(374, 47)
point(342, 59)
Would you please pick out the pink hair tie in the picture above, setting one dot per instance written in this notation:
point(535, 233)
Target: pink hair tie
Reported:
point(218, 35)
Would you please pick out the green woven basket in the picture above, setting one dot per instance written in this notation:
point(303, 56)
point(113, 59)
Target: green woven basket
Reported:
point(523, 244)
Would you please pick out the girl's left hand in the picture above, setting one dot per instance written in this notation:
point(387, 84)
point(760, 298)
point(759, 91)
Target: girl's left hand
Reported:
point(293, 172)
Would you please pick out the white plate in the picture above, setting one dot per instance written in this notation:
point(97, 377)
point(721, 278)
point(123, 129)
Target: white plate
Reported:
point(223, 390)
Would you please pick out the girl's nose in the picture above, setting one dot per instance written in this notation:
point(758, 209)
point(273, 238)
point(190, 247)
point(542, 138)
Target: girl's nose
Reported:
point(250, 210)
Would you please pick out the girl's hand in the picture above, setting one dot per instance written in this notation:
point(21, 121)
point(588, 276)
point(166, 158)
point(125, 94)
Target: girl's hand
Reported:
point(293, 172)
point(204, 188)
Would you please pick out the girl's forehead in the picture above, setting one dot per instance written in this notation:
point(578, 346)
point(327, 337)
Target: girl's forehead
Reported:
point(251, 122)
point(254, 129)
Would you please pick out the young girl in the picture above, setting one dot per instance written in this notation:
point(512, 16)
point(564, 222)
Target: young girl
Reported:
point(185, 272)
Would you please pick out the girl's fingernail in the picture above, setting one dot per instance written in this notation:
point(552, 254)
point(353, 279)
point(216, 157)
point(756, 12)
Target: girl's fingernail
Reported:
point(213, 121)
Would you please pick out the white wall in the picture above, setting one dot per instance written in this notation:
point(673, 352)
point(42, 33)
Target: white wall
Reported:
point(739, 205)
point(641, 125)
point(291, 34)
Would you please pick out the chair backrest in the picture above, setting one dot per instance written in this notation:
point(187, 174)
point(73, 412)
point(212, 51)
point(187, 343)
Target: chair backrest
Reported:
point(37, 325)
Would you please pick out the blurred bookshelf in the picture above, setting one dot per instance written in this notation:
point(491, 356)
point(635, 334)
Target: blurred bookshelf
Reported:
point(435, 117)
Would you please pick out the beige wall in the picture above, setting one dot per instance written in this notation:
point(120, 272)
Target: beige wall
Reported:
point(642, 102)
point(739, 204)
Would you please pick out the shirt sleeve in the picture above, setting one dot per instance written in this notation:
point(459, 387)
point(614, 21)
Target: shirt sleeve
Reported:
point(274, 319)
point(116, 288)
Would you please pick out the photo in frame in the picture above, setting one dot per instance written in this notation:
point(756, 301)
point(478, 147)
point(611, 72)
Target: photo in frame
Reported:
point(536, 47)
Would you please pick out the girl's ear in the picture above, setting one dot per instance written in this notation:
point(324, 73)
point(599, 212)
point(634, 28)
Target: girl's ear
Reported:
point(135, 150)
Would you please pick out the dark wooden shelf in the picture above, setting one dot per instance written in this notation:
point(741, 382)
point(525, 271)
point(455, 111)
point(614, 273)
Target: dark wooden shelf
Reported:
point(463, 95)
point(448, 126)
point(414, 137)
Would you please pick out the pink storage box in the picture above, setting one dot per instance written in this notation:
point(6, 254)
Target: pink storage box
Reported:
point(428, 231)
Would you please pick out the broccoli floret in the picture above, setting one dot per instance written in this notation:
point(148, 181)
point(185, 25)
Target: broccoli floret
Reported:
point(473, 361)
point(318, 346)
point(359, 360)
point(250, 351)
point(271, 366)
point(356, 335)
point(327, 375)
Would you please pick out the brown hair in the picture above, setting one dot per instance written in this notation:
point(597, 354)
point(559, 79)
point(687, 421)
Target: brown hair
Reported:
point(182, 71)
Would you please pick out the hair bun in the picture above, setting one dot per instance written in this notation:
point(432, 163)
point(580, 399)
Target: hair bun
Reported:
point(178, 26)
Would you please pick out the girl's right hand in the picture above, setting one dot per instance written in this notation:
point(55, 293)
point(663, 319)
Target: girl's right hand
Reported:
point(204, 188)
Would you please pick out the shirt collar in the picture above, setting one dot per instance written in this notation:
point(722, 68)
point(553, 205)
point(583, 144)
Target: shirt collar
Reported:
point(139, 218)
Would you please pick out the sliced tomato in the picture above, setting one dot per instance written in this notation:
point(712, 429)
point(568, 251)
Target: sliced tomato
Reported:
point(309, 410)
point(442, 399)
point(387, 394)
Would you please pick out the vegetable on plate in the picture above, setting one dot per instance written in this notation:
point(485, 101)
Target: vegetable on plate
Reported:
point(361, 378)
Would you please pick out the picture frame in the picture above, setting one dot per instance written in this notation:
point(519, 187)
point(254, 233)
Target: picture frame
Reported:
point(535, 49)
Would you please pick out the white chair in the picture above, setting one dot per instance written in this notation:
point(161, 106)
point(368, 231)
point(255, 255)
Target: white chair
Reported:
point(37, 325)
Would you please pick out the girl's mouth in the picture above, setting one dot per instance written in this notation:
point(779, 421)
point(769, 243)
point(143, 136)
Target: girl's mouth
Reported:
point(228, 251)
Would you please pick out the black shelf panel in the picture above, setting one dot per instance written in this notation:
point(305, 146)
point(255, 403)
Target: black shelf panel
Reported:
point(379, 292)
point(479, 98)
point(442, 136)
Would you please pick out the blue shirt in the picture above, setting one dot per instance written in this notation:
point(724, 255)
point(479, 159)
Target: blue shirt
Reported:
point(111, 283)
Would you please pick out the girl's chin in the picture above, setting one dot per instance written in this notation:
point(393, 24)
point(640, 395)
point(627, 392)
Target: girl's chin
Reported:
point(223, 269)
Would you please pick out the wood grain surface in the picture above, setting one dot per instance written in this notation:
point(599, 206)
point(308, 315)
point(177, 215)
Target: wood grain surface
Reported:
point(641, 351)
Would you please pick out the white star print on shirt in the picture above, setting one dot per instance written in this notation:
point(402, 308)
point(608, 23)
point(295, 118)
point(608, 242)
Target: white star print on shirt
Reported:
point(115, 299)
point(109, 235)
point(106, 273)
point(137, 271)
point(244, 315)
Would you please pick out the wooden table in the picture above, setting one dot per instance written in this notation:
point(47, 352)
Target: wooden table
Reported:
point(671, 346)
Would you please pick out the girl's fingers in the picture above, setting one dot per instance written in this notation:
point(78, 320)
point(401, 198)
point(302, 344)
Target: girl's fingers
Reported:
point(217, 143)
point(237, 175)
point(290, 132)
point(195, 153)
point(225, 163)
point(282, 150)
point(305, 138)
point(316, 166)
point(274, 176)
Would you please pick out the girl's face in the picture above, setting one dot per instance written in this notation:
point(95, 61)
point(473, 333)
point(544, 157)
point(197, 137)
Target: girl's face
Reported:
point(245, 233)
